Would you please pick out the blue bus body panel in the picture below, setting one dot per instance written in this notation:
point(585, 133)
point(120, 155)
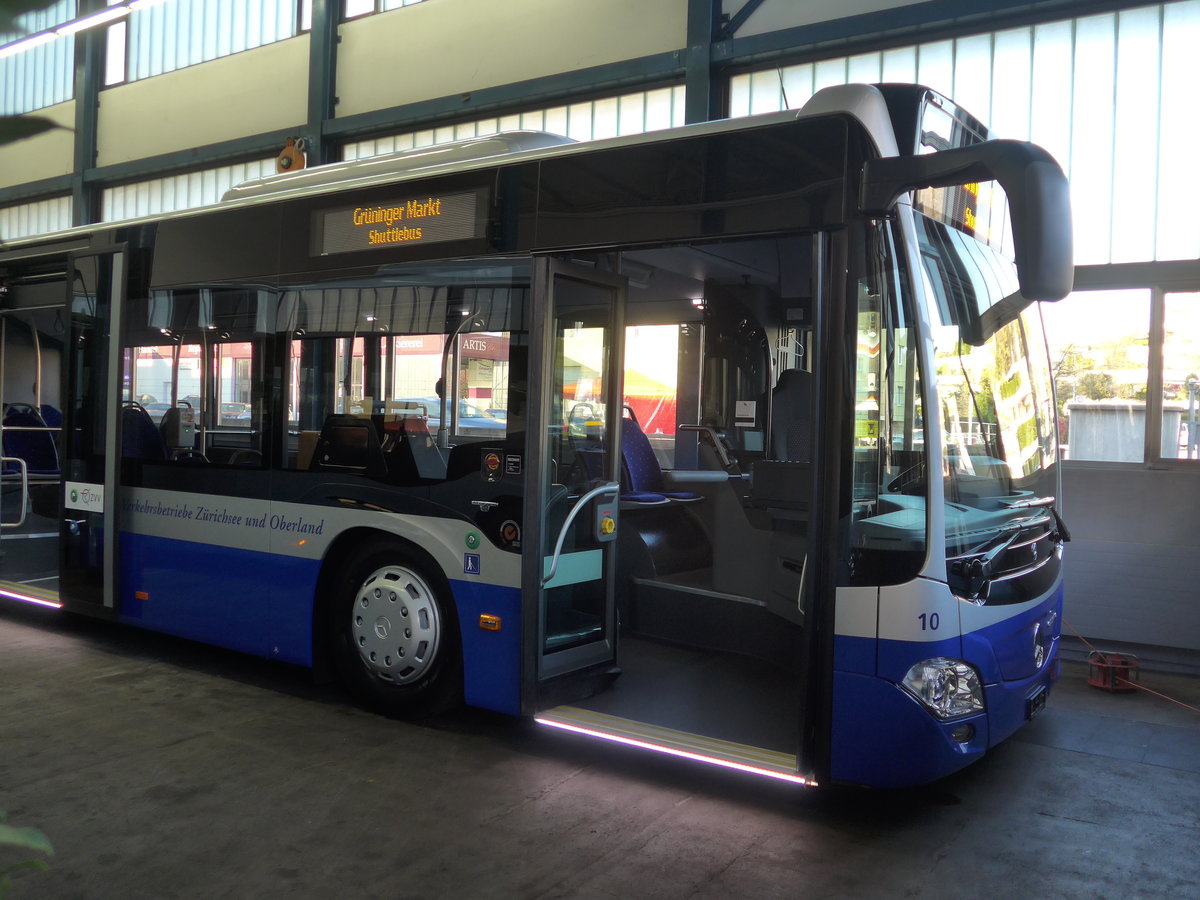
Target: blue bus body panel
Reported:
point(884, 738)
point(1008, 701)
point(854, 654)
point(897, 657)
point(1004, 651)
point(491, 659)
point(245, 600)
point(262, 603)
point(1004, 655)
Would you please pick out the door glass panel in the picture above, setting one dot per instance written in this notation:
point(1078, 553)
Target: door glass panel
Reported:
point(85, 431)
point(651, 384)
point(579, 457)
point(1181, 377)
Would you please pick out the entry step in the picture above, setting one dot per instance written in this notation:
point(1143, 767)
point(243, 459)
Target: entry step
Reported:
point(756, 760)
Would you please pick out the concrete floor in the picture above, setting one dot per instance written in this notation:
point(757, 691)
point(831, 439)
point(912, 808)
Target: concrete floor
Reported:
point(159, 768)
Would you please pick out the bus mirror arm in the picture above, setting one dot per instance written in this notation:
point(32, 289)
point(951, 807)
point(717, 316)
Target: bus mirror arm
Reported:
point(1038, 195)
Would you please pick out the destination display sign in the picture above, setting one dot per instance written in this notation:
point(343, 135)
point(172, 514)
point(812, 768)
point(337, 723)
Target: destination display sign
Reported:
point(406, 221)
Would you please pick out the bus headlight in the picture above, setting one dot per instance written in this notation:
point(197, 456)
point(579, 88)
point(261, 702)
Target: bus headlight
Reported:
point(948, 688)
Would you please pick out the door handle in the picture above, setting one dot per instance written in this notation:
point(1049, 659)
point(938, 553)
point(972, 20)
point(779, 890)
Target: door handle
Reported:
point(611, 487)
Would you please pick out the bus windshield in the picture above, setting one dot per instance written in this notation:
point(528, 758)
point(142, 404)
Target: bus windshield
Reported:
point(995, 407)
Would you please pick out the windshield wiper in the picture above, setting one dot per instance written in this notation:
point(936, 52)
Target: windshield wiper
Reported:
point(1048, 504)
point(975, 568)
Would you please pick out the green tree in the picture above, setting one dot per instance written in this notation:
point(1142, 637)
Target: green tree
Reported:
point(1096, 386)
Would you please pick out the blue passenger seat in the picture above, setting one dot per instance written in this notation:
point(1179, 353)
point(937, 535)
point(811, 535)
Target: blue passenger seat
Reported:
point(140, 437)
point(51, 416)
point(641, 469)
point(37, 448)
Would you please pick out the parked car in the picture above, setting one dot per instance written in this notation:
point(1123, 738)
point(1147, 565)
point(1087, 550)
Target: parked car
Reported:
point(471, 419)
point(235, 413)
point(156, 410)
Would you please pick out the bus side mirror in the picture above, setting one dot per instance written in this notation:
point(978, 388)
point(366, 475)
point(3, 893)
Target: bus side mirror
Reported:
point(1039, 202)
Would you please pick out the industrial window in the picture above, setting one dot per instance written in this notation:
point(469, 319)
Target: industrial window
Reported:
point(168, 36)
point(38, 74)
point(633, 113)
point(175, 192)
point(356, 8)
point(1099, 348)
point(1127, 374)
point(1181, 377)
point(1110, 96)
point(39, 217)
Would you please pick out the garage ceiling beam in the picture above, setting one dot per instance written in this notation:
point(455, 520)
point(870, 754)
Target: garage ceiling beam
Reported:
point(738, 19)
point(322, 80)
point(703, 99)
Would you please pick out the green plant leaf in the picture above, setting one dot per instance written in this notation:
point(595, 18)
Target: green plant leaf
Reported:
point(10, 10)
point(29, 838)
point(14, 128)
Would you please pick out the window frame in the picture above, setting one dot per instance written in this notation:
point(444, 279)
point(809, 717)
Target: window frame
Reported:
point(1160, 279)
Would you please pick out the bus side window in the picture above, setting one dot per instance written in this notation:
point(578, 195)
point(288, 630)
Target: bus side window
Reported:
point(348, 443)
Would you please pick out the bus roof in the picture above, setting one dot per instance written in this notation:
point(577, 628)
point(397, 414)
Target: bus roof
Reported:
point(864, 103)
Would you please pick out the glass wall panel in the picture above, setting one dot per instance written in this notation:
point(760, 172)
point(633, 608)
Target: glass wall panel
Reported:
point(1050, 110)
point(608, 117)
point(1012, 71)
point(1136, 140)
point(900, 64)
point(39, 217)
point(1090, 165)
point(42, 75)
point(1108, 95)
point(935, 66)
point(170, 36)
point(1099, 348)
point(175, 192)
point(356, 8)
point(1178, 233)
point(1181, 377)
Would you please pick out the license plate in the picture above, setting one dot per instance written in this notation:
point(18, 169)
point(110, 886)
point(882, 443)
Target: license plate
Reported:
point(1036, 703)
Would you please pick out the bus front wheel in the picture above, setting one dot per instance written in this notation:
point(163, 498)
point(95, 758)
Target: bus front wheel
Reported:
point(395, 635)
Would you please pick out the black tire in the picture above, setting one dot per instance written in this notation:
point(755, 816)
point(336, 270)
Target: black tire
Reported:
point(394, 635)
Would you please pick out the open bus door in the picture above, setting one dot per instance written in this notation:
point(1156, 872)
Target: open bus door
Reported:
point(571, 503)
point(91, 429)
point(31, 344)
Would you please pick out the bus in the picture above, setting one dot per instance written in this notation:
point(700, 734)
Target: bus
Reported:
point(734, 441)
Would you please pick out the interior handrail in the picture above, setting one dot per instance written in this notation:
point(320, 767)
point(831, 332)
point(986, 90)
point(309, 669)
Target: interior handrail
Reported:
point(611, 487)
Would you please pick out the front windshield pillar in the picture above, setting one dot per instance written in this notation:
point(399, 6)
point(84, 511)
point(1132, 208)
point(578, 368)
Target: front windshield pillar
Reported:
point(889, 446)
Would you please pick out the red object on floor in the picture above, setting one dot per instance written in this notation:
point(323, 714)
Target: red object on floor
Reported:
point(1113, 671)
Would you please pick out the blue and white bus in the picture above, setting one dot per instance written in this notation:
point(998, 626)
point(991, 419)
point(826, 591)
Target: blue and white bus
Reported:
point(735, 441)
